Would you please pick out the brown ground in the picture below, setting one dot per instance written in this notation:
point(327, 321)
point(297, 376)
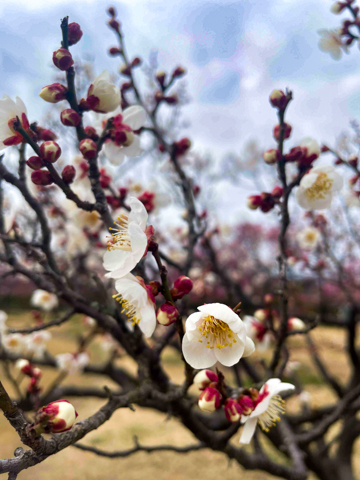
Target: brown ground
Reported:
point(152, 428)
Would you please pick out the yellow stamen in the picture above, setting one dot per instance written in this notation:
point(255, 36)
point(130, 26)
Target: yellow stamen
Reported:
point(121, 237)
point(129, 309)
point(217, 333)
point(269, 418)
point(320, 188)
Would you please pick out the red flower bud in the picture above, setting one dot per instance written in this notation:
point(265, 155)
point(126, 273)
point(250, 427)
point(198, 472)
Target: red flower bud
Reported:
point(210, 400)
point(91, 133)
point(112, 11)
point(122, 192)
point(353, 160)
point(53, 93)
point(45, 134)
point(295, 154)
point(233, 410)
point(35, 163)
point(125, 70)
point(271, 156)
point(287, 131)
point(167, 314)
point(171, 99)
point(204, 378)
point(277, 192)
point(182, 286)
point(74, 33)
point(254, 202)
point(136, 62)
point(196, 190)
point(115, 51)
point(114, 24)
point(160, 77)
point(50, 151)
point(105, 179)
point(178, 72)
point(88, 148)
point(338, 161)
point(182, 146)
point(41, 177)
point(70, 118)
point(278, 99)
point(62, 59)
point(57, 416)
point(126, 86)
point(68, 174)
point(267, 202)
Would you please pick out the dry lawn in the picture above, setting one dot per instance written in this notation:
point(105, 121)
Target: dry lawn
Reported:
point(153, 428)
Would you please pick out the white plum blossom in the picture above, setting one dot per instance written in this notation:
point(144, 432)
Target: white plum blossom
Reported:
point(268, 407)
point(138, 303)
point(308, 238)
point(331, 43)
point(9, 110)
point(36, 342)
point(129, 241)
point(317, 188)
point(14, 343)
point(215, 333)
point(72, 363)
point(103, 96)
point(124, 143)
point(45, 300)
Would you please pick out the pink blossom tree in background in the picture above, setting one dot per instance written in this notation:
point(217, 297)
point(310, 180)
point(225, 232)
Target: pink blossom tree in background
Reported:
point(149, 267)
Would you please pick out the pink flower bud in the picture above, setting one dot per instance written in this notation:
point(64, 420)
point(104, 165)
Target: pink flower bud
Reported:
point(23, 366)
point(203, 378)
point(160, 77)
point(41, 177)
point(278, 99)
point(261, 314)
point(178, 72)
point(271, 156)
point(88, 148)
point(36, 373)
point(62, 59)
point(254, 202)
point(91, 133)
point(182, 286)
point(59, 416)
point(209, 400)
point(70, 118)
point(53, 93)
point(287, 131)
point(182, 146)
point(246, 404)
point(35, 163)
point(167, 314)
point(68, 174)
point(233, 410)
point(50, 151)
point(115, 51)
point(269, 298)
point(74, 33)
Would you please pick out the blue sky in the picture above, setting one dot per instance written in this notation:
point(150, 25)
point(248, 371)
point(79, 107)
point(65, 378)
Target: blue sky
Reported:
point(235, 53)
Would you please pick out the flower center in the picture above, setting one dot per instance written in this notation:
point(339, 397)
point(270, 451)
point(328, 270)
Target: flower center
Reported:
point(129, 309)
point(216, 332)
point(320, 188)
point(310, 237)
point(121, 237)
point(272, 415)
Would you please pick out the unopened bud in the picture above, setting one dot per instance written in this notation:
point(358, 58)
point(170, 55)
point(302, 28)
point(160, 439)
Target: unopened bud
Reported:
point(112, 12)
point(58, 416)
point(50, 151)
point(295, 323)
point(35, 163)
point(267, 202)
point(45, 134)
point(114, 24)
point(254, 202)
point(338, 7)
point(277, 192)
point(41, 177)
point(246, 404)
point(295, 154)
point(261, 315)
point(278, 99)
point(62, 59)
point(178, 72)
point(203, 378)
point(268, 298)
point(287, 131)
point(160, 77)
point(182, 146)
point(114, 51)
point(24, 366)
point(171, 99)
point(88, 148)
point(92, 133)
point(136, 62)
point(209, 400)
point(271, 156)
point(233, 410)
point(68, 174)
point(74, 33)
point(125, 70)
point(53, 93)
point(167, 314)
point(70, 118)
point(182, 286)
point(353, 160)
